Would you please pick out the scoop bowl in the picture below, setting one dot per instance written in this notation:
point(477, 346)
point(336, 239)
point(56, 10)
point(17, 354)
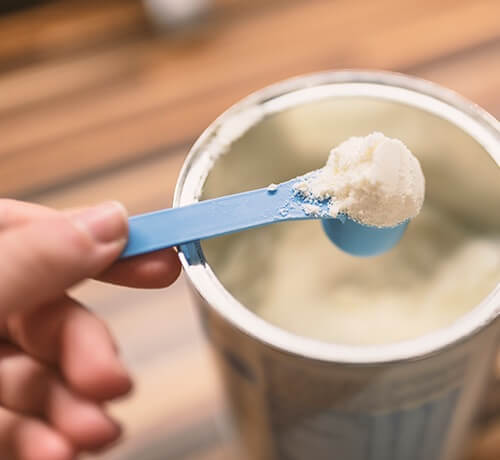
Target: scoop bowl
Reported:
point(362, 240)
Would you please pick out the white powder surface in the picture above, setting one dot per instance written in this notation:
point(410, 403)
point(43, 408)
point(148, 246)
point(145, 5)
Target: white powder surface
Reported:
point(292, 276)
point(437, 272)
point(375, 180)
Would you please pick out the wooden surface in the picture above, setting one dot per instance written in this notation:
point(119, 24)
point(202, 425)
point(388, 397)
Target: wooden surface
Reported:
point(95, 106)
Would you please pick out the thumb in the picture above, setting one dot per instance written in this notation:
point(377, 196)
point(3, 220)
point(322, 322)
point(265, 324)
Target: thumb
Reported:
point(43, 258)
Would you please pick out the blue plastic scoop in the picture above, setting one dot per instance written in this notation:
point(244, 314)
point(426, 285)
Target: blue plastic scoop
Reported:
point(233, 213)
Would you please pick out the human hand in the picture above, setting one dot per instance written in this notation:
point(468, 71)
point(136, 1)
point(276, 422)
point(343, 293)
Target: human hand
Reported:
point(58, 362)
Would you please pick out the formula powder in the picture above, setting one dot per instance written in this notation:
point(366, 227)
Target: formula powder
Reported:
point(375, 180)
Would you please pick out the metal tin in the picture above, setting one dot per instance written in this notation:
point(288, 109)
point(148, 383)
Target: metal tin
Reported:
point(298, 398)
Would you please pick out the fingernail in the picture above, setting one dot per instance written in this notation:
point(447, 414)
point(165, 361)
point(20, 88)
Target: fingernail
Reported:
point(105, 223)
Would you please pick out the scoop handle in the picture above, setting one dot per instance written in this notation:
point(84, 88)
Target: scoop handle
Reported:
point(207, 219)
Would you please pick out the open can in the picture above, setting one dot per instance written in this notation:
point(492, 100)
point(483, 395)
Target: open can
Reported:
point(297, 398)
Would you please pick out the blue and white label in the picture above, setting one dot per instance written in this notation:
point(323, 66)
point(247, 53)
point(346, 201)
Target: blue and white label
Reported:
point(416, 433)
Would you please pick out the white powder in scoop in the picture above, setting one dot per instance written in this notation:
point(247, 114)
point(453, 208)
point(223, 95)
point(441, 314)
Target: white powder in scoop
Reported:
point(375, 180)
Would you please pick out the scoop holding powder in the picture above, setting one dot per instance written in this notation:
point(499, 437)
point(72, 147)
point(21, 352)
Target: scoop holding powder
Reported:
point(375, 180)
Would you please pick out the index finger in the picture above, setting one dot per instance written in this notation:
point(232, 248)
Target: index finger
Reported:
point(156, 270)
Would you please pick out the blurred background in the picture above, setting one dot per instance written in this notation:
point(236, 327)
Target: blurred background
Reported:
point(101, 99)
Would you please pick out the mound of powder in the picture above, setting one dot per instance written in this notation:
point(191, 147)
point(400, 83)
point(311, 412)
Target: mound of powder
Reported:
point(375, 180)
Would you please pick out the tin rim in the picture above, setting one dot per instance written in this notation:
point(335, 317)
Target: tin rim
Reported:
point(428, 96)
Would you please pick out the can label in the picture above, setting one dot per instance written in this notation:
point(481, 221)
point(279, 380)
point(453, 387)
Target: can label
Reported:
point(402, 413)
point(409, 434)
